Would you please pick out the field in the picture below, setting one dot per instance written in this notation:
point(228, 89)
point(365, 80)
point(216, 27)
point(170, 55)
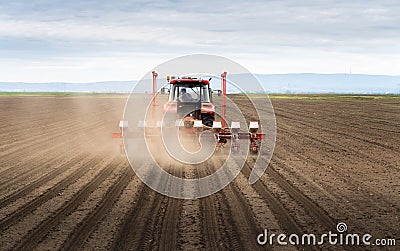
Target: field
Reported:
point(65, 185)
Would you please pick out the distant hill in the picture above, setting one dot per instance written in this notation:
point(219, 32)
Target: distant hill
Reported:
point(273, 83)
point(100, 87)
point(330, 83)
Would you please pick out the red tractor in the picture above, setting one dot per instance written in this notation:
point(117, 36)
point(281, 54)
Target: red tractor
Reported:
point(190, 107)
point(190, 99)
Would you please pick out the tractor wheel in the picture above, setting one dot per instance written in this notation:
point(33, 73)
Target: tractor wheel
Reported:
point(254, 147)
point(207, 119)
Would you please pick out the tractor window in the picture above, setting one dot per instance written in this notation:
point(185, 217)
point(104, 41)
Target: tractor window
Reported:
point(186, 93)
point(205, 94)
point(189, 95)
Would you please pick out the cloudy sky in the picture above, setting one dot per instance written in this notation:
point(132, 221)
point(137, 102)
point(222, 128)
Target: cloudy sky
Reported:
point(84, 41)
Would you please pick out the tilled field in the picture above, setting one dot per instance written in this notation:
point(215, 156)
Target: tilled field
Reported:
point(65, 185)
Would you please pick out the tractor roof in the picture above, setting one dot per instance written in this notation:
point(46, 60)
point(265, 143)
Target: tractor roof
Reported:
point(189, 81)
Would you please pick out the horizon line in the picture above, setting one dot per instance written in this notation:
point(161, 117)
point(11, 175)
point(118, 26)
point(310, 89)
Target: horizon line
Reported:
point(104, 81)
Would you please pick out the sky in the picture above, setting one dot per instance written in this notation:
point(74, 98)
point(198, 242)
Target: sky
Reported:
point(87, 41)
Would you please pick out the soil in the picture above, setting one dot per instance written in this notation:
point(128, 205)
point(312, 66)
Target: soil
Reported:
point(65, 185)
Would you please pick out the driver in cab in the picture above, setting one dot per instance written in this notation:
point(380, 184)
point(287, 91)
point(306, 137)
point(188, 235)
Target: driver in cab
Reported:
point(185, 97)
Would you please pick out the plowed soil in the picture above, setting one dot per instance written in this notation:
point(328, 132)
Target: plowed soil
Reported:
point(65, 185)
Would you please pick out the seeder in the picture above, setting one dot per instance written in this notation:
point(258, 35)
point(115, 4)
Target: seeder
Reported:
point(190, 109)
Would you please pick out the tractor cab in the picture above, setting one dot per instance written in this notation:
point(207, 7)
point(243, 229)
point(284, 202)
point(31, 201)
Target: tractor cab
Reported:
point(190, 97)
point(189, 92)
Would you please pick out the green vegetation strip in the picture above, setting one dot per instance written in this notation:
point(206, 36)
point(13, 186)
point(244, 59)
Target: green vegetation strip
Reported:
point(328, 97)
point(252, 95)
point(61, 94)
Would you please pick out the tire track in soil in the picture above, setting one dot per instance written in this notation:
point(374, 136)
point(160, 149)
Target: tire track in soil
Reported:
point(76, 240)
point(282, 214)
point(245, 219)
point(210, 228)
point(240, 226)
point(39, 232)
point(49, 194)
point(311, 207)
point(168, 234)
point(221, 220)
point(161, 230)
point(155, 218)
point(190, 235)
point(284, 217)
point(131, 235)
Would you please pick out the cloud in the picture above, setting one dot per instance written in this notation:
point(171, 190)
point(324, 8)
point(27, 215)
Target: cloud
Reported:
point(47, 31)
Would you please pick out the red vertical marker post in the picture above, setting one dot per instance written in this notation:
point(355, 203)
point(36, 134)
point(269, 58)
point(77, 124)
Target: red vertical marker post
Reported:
point(223, 87)
point(154, 97)
point(155, 75)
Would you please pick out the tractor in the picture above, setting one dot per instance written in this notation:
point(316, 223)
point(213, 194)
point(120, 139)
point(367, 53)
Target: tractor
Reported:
point(190, 99)
point(190, 108)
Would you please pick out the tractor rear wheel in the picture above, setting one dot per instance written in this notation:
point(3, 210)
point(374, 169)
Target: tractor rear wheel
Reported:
point(207, 119)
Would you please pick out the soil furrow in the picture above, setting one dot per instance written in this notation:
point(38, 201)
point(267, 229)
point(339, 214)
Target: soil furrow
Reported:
point(337, 144)
point(169, 229)
point(145, 206)
point(311, 207)
point(77, 238)
point(327, 129)
point(210, 227)
point(279, 210)
point(53, 191)
point(37, 183)
point(39, 232)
